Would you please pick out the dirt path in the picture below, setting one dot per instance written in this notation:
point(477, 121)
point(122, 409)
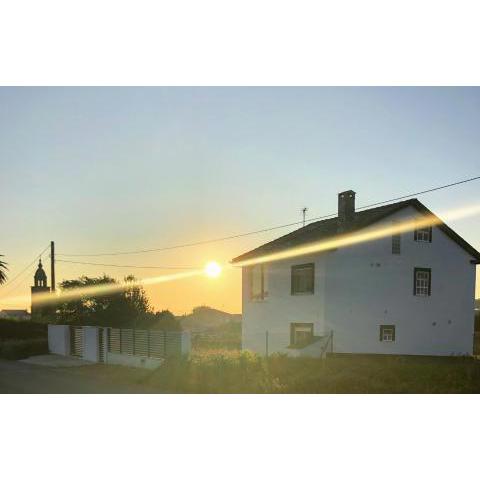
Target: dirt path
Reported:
point(19, 377)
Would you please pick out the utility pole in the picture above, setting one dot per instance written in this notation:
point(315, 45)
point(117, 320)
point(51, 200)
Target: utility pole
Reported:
point(52, 265)
point(304, 211)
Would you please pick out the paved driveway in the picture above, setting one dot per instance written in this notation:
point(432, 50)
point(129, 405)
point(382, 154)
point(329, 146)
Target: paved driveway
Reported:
point(20, 377)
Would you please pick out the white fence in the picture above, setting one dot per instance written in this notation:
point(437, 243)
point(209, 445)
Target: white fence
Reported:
point(145, 348)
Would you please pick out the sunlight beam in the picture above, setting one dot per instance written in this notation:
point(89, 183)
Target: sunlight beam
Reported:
point(347, 240)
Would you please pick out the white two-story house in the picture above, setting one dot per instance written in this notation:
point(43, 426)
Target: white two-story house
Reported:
point(408, 293)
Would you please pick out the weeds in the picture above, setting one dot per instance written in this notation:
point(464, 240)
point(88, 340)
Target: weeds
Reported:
point(233, 371)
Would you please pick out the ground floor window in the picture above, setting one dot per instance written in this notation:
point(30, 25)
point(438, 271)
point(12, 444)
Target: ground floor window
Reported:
point(301, 333)
point(387, 333)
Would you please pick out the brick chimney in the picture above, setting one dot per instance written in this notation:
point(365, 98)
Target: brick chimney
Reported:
point(346, 209)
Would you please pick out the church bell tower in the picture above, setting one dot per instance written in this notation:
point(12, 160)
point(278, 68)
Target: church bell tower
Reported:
point(39, 286)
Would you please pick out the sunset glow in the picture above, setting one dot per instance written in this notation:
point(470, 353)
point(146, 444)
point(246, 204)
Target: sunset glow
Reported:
point(213, 270)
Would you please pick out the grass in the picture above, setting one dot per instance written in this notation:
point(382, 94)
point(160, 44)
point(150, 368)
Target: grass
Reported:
point(227, 336)
point(229, 371)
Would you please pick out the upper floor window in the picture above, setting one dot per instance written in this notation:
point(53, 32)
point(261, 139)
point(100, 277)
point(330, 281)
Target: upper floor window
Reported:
point(258, 282)
point(303, 279)
point(423, 234)
point(422, 282)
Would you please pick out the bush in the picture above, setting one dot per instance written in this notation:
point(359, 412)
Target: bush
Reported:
point(18, 349)
point(14, 329)
point(227, 336)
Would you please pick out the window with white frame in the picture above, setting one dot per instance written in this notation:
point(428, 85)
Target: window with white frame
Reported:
point(423, 234)
point(301, 334)
point(422, 279)
point(258, 282)
point(303, 279)
point(387, 333)
point(396, 241)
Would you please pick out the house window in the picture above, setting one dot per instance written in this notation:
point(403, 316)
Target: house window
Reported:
point(258, 282)
point(303, 279)
point(387, 333)
point(396, 244)
point(423, 234)
point(301, 334)
point(422, 282)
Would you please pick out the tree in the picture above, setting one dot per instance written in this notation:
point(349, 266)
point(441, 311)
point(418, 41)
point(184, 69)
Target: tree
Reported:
point(125, 305)
point(3, 270)
point(136, 298)
point(121, 306)
point(166, 320)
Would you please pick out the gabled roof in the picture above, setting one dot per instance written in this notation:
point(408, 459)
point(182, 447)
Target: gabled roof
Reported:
point(327, 229)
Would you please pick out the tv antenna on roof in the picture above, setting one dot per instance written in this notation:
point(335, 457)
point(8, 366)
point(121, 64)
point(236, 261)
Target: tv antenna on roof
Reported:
point(304, 212)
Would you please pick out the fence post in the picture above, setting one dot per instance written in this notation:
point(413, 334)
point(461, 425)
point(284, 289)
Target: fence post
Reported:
point(266, 343)
point(120, 337)
point(331, 342)
point(148, 343)
point(164, 344)
point(133, 342)
point(106, 343)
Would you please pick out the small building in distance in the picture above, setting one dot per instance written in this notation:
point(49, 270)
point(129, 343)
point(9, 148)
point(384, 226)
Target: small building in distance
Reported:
point(15, 314)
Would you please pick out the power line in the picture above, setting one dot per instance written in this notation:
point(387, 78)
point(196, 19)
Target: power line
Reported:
point(421, 193)
point(264, 230)
point(128, 266)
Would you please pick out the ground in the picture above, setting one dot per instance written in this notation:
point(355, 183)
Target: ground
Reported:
point(236, 372)
point(21, 377)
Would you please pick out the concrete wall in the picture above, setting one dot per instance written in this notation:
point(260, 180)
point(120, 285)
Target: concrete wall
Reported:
point(186, 346)
point(361, 287)
point(133, 361)
point(178, 343)
point(59, 339)
point(90, 344)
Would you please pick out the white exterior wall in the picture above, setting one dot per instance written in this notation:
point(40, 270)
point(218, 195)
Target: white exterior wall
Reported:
point(59, 339)
point(361, 287)
point(275, 313)
point(368, 286)
point(90, 344)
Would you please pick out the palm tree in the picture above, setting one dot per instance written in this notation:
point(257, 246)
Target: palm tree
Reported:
point(3, 269)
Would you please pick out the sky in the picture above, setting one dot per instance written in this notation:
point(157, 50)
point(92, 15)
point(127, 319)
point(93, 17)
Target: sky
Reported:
point(120, 169)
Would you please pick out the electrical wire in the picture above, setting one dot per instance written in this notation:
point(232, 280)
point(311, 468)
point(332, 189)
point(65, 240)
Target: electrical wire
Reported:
point(264, 230)
point(128, 266)
point(20, 274)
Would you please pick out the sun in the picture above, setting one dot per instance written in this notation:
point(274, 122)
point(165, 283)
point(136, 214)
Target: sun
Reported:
point(212, 269)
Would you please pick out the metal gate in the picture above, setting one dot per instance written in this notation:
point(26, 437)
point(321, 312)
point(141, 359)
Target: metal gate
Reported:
point(76, 341)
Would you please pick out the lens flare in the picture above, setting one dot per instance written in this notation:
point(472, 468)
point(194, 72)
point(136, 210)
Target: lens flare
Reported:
point(367, 235)
point(212, 269)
